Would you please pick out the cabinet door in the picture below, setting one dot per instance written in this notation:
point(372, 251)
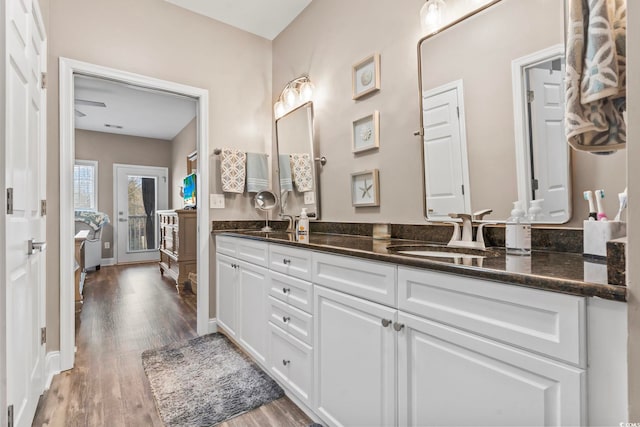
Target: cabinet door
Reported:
point(227, 290)
point(252, 307)
point(355, 360)
point(447, 377)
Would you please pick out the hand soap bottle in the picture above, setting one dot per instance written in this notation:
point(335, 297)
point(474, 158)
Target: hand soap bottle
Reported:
point(518, 232)
point(303, 227)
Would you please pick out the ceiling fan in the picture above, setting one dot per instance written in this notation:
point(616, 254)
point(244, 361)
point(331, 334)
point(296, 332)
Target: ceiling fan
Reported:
point(87, 103)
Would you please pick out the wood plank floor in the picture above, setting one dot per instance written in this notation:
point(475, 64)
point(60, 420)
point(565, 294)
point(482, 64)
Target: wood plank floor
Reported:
point(128, 310)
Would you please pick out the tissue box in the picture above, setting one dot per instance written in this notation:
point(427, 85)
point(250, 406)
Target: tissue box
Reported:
point(596, 234)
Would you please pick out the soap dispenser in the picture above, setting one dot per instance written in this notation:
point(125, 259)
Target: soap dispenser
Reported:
point(535, 210)
point(303, 227)
point(518, 232)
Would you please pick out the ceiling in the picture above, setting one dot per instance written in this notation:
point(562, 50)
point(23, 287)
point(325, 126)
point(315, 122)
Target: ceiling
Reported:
point(140, 111)
point(266, 18)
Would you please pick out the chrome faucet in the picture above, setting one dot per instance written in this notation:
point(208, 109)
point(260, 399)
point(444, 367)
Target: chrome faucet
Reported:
point(466, 240)
point(292, 221)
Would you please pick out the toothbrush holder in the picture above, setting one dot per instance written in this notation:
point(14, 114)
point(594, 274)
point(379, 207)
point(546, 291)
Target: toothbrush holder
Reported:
point(596, 234)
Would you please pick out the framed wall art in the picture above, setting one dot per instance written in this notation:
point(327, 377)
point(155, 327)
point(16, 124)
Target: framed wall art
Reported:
point(366, 76)
point(365, 188)
point(365, 133)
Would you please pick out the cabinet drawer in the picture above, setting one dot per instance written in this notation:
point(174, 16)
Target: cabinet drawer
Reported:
point(290, 261)
point(373, 281)
point(226, 245)
point(291, 362)
point(544, 322)
point(292, 291)
point(296, 322)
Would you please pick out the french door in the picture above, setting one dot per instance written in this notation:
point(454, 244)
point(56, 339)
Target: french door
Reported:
point(140, 191)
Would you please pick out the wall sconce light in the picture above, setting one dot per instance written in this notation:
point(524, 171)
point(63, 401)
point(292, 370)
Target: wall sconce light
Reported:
point(431, 15)
point(295, 93)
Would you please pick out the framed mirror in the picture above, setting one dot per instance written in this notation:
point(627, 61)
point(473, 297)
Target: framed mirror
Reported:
point(297, 173)
point(492, 106)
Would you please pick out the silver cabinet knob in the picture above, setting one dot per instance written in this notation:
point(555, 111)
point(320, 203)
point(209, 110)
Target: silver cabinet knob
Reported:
point(285, 319)
point(286, 261)
point(398, 326)
point(285, 362)
point(386, 322)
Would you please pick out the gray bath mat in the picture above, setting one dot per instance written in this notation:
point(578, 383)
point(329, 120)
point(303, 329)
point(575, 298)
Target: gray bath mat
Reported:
point(205, 381)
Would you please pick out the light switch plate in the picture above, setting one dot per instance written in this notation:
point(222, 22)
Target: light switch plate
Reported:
point(309, 198)
point(216, 201)
point(107, 245)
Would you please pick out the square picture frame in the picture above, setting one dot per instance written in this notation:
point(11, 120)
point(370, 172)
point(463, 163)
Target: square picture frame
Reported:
point(365, 76)
point(365, 188)
point(365, 133)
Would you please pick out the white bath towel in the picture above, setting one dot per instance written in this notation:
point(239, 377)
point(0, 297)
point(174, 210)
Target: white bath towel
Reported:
point(233, 170)
point(596, 75)
point(302, 171)
point(257, 172)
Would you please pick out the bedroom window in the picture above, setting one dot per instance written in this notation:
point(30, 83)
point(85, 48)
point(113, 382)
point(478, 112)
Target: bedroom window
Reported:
point(85, 185)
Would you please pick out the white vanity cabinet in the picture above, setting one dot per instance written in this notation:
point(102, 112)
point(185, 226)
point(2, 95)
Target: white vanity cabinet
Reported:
point(242, 294)
point(355, 360)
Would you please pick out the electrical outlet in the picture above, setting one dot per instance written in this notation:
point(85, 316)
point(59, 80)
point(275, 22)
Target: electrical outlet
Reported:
point(216, 201)
point(309, 198)
point(107, 245)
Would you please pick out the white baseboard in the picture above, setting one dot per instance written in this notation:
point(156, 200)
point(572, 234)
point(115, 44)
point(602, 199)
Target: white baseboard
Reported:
point(213, 326)
point(52, 366)
point(108, 261)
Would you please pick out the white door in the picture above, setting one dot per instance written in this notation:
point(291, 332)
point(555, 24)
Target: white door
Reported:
point(447, 377)
point(252, 297)
point(550, 150)
point(140, 191)
point(227, 282)
point(25, 177)
point(355, 360)
point(445, 159)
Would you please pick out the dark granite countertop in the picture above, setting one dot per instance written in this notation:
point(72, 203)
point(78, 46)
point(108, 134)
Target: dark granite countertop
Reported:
point(553, 271)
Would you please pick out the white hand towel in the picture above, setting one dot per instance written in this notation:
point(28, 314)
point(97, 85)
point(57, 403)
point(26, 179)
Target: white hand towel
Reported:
point(233, 170)
point(257, 172)
point(302, 172)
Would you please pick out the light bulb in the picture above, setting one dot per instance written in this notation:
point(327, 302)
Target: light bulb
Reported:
point(431, 15)
point(279, 109)
point(290, 96)
point(306, 91)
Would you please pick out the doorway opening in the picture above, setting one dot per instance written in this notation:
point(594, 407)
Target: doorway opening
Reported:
point(140, 235)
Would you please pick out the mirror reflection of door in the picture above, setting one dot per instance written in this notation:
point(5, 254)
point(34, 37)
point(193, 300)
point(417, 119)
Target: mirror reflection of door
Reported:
point(445, 152)
point(140, 193)
point(549, 151)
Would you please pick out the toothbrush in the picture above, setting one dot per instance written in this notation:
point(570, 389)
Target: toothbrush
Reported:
point(623, 204)
point(588, 196)
point(599, 197)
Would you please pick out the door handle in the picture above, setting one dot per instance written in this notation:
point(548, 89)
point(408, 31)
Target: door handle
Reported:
point(32, 247)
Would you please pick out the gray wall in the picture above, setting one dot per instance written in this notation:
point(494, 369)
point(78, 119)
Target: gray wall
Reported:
point(157, 39)
point(110, 148)
point(332, 35)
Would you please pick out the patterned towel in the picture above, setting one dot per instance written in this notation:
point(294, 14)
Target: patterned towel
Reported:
point(596, 75)
point(284, 164)
point(94, 219)
point(302, 172)
point(257, 172)
point(233, 170)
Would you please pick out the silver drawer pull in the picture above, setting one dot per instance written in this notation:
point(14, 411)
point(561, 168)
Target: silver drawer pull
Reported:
point(386, 322)
point(286, 362)
point(286, 261)
point(285, 319)
point(286, 290)
point(398, 326)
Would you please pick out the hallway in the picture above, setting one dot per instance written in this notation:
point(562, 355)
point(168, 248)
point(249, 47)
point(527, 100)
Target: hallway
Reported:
point(127, 310)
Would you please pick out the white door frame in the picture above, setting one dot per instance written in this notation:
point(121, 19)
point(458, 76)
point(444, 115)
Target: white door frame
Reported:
point(3, 289)
point(116, 168)
point(521, 127)
point(69, 67)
